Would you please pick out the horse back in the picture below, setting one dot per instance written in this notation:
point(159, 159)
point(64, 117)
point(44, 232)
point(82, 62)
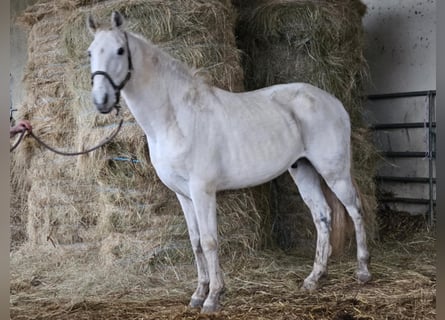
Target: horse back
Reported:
point(254, 136)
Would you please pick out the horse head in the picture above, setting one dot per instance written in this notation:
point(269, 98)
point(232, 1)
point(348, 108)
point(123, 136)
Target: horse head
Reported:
point(110, 60)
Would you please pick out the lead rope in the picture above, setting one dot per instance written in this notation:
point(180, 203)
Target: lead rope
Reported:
point(117, 89)
point(15, 145)
point(63, 153)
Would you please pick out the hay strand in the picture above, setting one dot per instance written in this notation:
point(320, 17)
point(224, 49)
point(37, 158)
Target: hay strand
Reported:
point(319, 42)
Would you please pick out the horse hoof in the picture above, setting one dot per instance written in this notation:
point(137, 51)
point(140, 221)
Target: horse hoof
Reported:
point(309, 285)
point(207, 309)
point(196, 303)
point(363, 277)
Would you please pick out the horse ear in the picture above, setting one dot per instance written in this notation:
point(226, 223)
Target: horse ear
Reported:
point(91, 24)
point(116, 19)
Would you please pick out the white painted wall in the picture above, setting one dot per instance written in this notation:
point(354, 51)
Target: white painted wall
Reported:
point(401, 44)
point(401, 52)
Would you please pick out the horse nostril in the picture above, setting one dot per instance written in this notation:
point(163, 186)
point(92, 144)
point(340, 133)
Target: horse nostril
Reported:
point(101, 102)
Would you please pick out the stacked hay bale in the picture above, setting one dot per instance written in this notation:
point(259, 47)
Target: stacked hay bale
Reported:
point(112, 196)
point(319, 42)
point(51, 206)
point(133, 201)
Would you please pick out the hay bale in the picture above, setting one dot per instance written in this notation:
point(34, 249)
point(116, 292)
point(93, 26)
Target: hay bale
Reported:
point(112, 196)
point(199, 33)
point(319, 42)
point(52, 208)
point(192, 31)
point(17, 205)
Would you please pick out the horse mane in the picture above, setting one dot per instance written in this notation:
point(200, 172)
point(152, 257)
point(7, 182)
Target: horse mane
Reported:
point(167, 63)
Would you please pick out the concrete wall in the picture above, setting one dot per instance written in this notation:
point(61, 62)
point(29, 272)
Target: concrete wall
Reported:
point(401, 51)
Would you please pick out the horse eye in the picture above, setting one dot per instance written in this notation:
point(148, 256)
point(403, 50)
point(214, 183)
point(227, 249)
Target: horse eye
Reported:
point(89, 54)
point(120, 51)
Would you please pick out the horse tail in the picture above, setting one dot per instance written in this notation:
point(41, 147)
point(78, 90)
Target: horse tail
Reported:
point(342, 228)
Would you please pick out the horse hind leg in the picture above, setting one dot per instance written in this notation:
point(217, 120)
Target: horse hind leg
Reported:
point(308, 183)
point(340, 182)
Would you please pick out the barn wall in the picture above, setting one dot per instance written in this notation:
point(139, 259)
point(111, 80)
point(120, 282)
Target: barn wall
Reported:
point(18, 50)
point(401, 37)
point(401, 52)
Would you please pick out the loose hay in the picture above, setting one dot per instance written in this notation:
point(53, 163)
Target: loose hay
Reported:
point(404, 287)
point(319, 42)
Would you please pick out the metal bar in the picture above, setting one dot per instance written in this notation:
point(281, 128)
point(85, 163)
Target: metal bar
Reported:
point(406, 154)
point(430, 157)
point(125, 159)
point(410, 125)
point(407, 200)
point(430, 153)
point(400, 95)
point(11, 111)
point(405, 179)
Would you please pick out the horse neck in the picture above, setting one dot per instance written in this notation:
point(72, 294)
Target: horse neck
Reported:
point(157, 88)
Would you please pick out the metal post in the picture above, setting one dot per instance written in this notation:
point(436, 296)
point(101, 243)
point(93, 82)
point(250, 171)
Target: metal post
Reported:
point(430, 156)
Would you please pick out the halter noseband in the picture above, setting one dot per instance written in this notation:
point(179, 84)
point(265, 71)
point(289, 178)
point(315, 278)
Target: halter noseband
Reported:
point(117, 88)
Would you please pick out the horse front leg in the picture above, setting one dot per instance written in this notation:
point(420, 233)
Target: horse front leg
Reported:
point(202, 290)
point(204, 202)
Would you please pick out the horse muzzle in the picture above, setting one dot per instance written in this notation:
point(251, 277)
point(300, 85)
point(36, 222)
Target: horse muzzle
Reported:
point(103, 104)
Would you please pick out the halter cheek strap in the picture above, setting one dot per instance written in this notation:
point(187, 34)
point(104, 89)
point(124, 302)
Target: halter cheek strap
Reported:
point(117, 88)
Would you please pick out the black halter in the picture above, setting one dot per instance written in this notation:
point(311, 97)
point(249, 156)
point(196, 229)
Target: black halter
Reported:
point(117, 88)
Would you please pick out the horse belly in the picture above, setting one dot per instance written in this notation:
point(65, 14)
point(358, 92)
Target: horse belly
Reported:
point(261, 161)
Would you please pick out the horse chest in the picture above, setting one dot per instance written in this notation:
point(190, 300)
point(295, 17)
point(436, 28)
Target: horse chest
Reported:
point(171, 170)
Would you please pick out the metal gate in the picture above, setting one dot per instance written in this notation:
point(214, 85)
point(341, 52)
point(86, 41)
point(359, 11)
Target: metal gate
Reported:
point(428, 123)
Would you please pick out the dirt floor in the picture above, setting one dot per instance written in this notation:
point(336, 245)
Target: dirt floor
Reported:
point(403, 287)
